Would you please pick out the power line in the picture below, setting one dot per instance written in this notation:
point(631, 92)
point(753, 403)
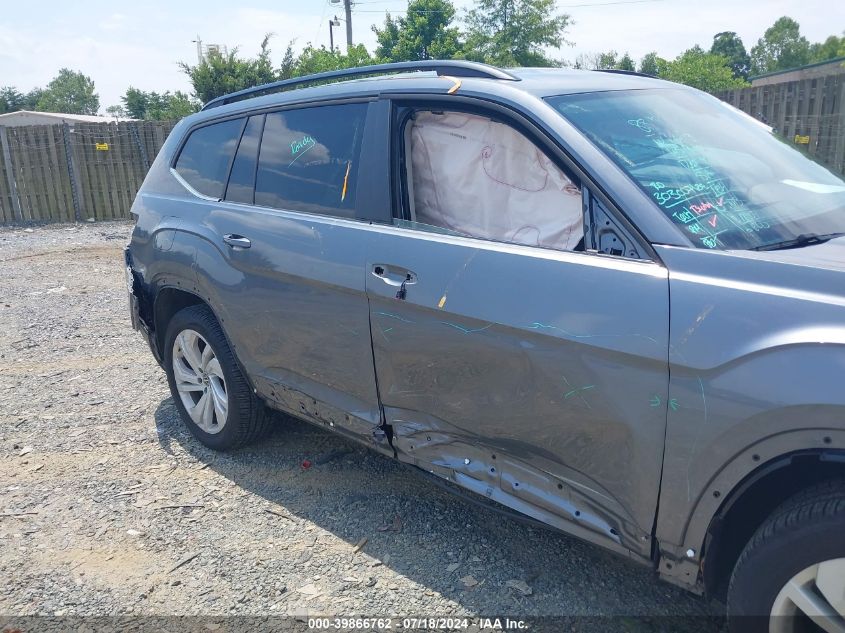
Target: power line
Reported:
point(606, 4)
point(562, 6)
point(322, 17)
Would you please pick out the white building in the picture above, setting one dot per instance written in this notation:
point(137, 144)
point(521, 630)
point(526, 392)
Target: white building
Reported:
point(27, 117)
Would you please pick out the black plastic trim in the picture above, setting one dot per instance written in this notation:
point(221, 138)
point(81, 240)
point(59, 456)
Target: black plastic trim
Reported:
point(455, 68)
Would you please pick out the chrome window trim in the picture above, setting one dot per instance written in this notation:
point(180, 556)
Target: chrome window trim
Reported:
point(190, 189)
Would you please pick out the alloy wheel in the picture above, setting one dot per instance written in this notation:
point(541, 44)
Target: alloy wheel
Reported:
point(199, 381)
point(814, 596)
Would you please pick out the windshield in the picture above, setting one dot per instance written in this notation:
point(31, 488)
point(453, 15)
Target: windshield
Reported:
point(723, 178)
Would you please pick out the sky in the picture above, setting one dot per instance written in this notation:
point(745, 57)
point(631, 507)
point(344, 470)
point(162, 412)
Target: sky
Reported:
point(120, 43)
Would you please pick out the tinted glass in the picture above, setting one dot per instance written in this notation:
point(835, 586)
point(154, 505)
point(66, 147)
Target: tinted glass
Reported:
point(724, 179)
point(205, 158)
point(242, 179)
point(309, 159)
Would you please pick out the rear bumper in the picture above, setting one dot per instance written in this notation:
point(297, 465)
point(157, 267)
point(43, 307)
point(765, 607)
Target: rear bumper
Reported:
point(135, 309)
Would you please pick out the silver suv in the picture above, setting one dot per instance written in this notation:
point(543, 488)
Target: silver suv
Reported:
point(608, 302)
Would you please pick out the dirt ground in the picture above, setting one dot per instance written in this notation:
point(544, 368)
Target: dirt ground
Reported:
point(108, 506)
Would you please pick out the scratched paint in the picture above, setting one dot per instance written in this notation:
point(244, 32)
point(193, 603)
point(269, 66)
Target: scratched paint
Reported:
point(390, 315)
point(465, 330)
point(542, 326)
point(578, 391)
point(697, 436)
point(672, 403)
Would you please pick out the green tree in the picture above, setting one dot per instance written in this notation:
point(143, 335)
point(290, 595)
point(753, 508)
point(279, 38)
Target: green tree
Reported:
point(135, 103)
point(426, 32)
point(781, 47)
point(650, 64)
point(288, 66)
point(586, 61)
point(317, 60)
point(221, 73)
point(31, 99)
point(607, 60)
point(169, 106)
point(387, 37)
point(156, 106)
point(71, 93)
point(11, 100)
point(701, 70)
point(116, 111)
point(625, 63)
point(514, 32)
point(728, 44)
point(831, 48)
point(179, 105)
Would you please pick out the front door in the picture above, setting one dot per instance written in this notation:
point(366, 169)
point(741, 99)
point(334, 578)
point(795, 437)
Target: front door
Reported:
point(536, 376)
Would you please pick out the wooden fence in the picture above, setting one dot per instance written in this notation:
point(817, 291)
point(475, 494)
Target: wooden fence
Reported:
point(59, 173)
point(809, 113)
point(63, 173)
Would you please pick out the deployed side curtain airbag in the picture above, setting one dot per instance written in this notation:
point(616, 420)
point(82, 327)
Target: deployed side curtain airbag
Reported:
point(484, 179)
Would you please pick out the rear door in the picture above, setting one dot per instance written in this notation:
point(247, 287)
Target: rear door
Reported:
point(534, 376)
point(288, 263)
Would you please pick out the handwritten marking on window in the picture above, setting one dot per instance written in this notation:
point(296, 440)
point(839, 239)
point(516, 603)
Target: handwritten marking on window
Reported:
point(707, 195)
point(640, 123)
point(300, 147)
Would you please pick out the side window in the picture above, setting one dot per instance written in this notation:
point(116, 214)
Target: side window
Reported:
point(309, 159)
point(241, 185)
point(470, 175)
point(205, 158)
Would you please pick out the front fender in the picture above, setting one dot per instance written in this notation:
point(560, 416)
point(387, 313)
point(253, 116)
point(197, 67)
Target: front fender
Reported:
point(756, 358)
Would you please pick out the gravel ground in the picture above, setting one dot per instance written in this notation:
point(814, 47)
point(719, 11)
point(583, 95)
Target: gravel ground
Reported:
point(108, 506)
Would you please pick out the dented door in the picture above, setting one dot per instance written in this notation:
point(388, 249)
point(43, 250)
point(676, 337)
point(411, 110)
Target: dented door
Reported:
point(534, 377)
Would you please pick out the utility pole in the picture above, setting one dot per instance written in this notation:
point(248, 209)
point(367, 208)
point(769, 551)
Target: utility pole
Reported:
point(347, 5)
point(332, 23)
point(198, 42)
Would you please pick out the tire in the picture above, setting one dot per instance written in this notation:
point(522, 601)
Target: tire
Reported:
point(193, 374)
point(807, 530)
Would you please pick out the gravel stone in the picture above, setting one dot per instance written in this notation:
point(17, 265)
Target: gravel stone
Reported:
point(103, 490)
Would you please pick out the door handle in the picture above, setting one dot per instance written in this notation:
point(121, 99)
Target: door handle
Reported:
point(394, 275)
point(237, 241)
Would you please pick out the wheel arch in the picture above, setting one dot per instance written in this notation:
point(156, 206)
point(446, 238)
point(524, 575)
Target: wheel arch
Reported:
point(167, 302)
point(752, 500)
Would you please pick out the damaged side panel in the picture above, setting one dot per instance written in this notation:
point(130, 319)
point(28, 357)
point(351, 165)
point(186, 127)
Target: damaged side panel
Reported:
point(550, 398)
point(500, 477)
point(160, 256)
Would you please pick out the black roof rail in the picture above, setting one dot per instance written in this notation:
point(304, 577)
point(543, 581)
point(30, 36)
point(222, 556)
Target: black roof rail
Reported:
point(454, 68)
point(619, 71)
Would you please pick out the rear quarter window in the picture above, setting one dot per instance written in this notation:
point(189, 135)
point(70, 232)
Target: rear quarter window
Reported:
point(205, 158)
point(309, 159)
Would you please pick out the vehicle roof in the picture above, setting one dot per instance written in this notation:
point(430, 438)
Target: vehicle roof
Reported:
point(538, 82)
